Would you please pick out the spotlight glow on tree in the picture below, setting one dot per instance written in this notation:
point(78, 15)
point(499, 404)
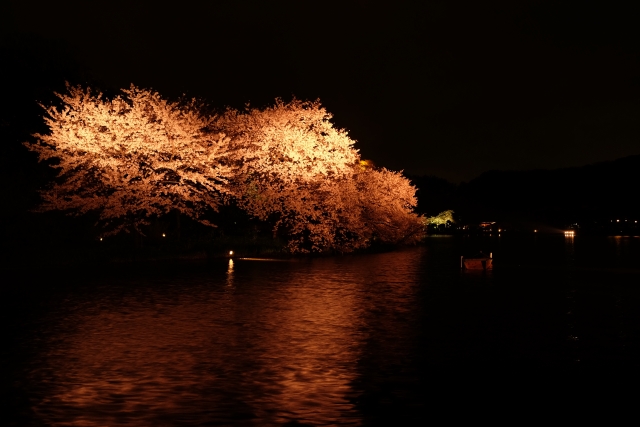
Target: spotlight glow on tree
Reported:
point(369, 205)
point(289, 156)
point(131, 157)
point(298, 168)
point(442, 218)
point(138, 156)
point(387, 201)
point(283, 148)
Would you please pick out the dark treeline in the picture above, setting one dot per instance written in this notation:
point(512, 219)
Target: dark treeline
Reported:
point(593, 196)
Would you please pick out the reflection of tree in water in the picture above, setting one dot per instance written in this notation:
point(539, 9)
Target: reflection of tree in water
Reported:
point(288, 342)
point(150, 357)
point(308, 359)
point(389, 366)
point(346, 322)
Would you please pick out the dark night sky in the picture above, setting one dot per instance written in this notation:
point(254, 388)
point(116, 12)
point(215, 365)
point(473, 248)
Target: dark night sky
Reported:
point(432, 87)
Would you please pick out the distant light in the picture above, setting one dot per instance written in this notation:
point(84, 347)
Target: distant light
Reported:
point(617, 220)
point(164, 235)
point(569, 233)
point(101, 237)
point(230, 253)
point(535, 231)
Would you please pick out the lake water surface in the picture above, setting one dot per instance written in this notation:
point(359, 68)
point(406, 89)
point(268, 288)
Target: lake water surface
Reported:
point(379, 339)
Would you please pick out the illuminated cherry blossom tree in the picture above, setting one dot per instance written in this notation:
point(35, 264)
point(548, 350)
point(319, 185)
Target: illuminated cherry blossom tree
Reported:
point(388, 201)
point(138, 156)
point(370, 205)
point(287, 156)
point(132, 157)
point(284, 146)
point(300, 171)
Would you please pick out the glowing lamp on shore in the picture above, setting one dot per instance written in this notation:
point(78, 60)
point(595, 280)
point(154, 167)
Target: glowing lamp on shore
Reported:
point(164, 235)
point(569, 233)
point(230, 253)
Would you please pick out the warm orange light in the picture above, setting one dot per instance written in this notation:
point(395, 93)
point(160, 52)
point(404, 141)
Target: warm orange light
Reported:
point(139, 152)
point(133, 152)
point(366, 164)
point(230, 253)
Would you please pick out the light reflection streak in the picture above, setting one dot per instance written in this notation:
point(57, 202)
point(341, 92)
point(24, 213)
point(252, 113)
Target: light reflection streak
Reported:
point(569, 246)
point(230, 273)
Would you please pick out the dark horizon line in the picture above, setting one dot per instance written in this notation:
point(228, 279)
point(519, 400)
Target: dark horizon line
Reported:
point(518, 171)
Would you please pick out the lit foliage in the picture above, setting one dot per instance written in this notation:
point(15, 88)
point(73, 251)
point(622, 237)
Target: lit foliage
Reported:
point(284, 148)
point(131, 157)
point(442, 218)
point(306, 175)
point(289, 158)
point(138, 156)
point(387, 202)
point(368, 205)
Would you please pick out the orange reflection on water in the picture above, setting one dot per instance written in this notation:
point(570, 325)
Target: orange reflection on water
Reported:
point(315, 349)
point(119, 364)
point(261, 342)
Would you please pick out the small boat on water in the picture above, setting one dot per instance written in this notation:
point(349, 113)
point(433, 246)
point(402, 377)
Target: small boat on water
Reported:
point(477, 262)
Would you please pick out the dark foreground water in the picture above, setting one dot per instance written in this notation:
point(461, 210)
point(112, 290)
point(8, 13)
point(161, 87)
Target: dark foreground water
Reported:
point(385, 339)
